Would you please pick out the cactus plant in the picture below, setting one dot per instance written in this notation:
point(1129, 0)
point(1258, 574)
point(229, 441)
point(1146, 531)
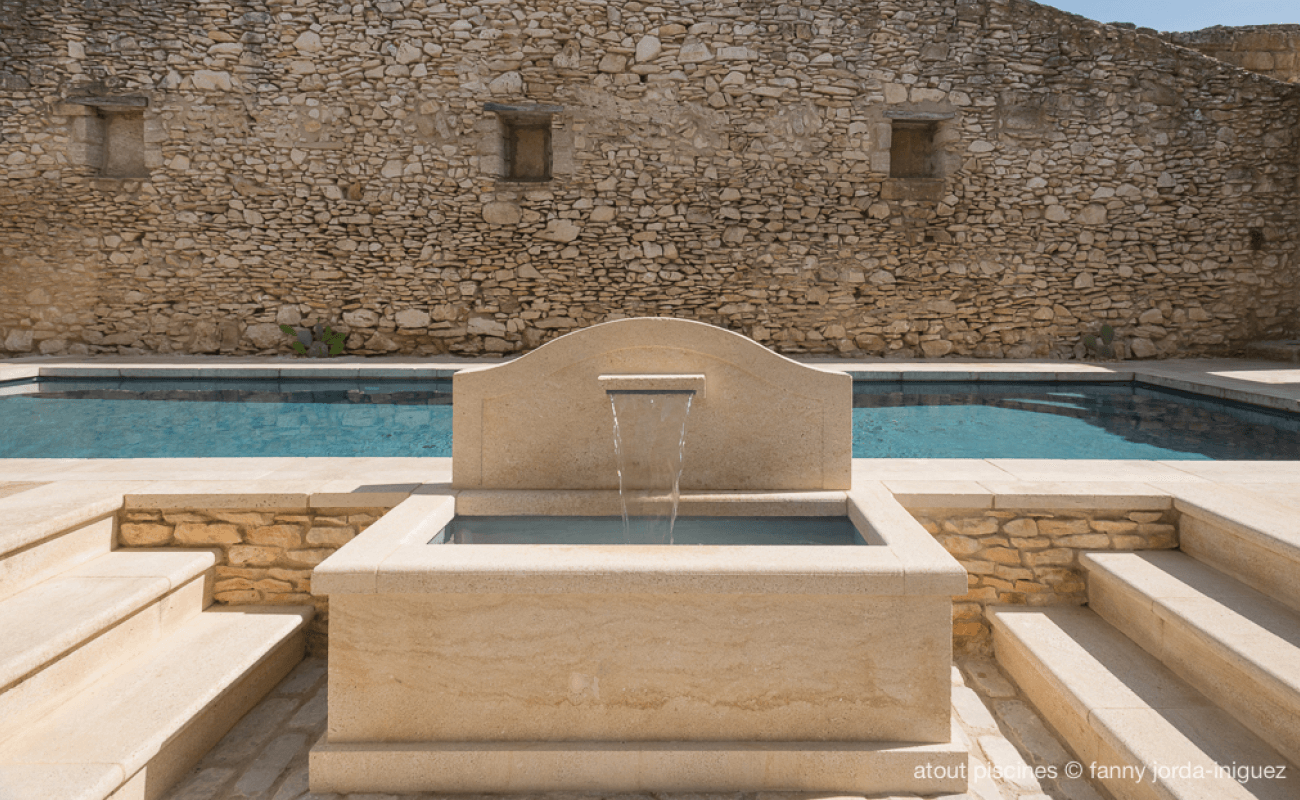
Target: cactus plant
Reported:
point(1103, 347)
point(317, 341)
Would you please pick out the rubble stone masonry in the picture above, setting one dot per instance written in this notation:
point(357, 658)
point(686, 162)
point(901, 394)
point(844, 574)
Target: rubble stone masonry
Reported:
point(1272, 50)
point(1031, 557)
point(183, 176)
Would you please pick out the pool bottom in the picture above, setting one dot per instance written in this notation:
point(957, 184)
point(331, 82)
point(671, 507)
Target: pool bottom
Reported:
point(716, 531)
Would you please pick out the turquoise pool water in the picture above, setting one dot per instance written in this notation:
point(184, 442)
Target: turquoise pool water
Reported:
point(686, 531)
point(186, 418)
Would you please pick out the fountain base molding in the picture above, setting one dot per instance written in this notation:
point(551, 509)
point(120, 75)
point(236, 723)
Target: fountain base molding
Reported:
point(616, 667)
point(519, 767)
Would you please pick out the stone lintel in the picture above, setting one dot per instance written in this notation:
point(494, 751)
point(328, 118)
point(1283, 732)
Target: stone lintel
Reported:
point(123, 101)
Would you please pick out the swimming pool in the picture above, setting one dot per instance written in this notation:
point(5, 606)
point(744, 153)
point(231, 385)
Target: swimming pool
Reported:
point(173, 418)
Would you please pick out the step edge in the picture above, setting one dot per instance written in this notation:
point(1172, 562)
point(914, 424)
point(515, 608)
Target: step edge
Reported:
point(154, 589)
point(164, 649)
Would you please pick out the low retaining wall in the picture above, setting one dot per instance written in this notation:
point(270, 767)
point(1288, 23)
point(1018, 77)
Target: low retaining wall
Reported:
point(266, 555)
point(1027, 557)
point(1030, 557)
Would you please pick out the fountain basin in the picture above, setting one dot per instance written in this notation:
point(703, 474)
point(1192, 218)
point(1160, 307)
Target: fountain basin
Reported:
point(504, 667)
point(642, 668)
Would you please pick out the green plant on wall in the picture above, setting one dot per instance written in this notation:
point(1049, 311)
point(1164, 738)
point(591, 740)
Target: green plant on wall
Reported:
point(317, 341)
point(1103, 346)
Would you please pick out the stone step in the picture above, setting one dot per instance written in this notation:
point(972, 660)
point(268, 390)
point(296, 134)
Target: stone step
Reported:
point(1139, 729)
point(136, 731)
point(1253, 537)
point(1237, 646)
point(61, 635)
point(45, 530)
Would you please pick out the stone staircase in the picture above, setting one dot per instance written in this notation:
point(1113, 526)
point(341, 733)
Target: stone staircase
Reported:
point(1185, 663)
point(114, 679)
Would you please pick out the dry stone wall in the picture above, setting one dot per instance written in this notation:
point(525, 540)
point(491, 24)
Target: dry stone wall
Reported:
point(727, 162)
point(266, 556)
point(1272, 50)
point(1031, 558)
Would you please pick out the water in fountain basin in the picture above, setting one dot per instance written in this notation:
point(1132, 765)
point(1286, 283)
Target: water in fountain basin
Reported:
point(649, 442)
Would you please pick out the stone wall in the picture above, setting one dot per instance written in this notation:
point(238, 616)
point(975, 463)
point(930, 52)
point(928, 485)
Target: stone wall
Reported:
point(1272, 50)
point(1031, 558)
point(731, 163)
point(267, 555)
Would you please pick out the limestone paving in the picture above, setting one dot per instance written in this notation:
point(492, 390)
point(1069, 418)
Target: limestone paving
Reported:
point(265, 756)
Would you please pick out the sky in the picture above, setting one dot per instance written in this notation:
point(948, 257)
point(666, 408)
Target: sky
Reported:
point(1184, 15)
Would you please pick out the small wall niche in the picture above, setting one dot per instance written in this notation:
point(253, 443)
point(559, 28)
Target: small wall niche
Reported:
point(123, 145)
point(109, 136)
point(912, 151)
point(525, 141)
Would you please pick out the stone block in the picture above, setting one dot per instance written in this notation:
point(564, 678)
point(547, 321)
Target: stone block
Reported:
point(1087, 541)
point(207, 533)
point(334, 537)
point(971, 526)
point(1055, 557)
point(308, 557)
point(1063, 527)
point(285, 537)
point(144, 534)
point(250, 555)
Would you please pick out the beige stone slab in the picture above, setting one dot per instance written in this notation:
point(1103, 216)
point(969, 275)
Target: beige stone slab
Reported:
point(638, 667)
point(27, 567)
point(525, 767)
point(44, 469)
point(765, 423)
point(137, 714)
point(1101, 667)
point(1096, 470)
point(507, 502)
point(918, 494)
point(927, 567)
point(1268, 522)
point(47, 510)
point(1235, 645)
point(352, 568)
point(1186, 740)
point(21, 781)
point(18, 372)
point(213, 494)
point(349, 494)
point(1256, 561)
point(1042, 685)
point(1076, 495)
point(657, 569)
point(8, 488)
point(1241, 471)
point(171, 469)
point(927, 469)
point(41, 692)
point(1244, 655)
point(365, 470)
point(46, 620)
point(1276, 375)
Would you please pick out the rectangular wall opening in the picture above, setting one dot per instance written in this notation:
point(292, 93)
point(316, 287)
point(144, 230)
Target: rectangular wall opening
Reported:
point(528, 149)
point(123, 144)
point(912, 152)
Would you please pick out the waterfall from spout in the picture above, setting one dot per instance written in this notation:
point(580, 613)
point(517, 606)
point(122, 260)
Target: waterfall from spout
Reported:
point(649, 442)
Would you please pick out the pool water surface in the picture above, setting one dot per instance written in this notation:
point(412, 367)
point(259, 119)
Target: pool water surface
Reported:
point(142, 418)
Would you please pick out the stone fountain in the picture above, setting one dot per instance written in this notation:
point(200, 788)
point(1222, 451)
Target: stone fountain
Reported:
point(630, 668)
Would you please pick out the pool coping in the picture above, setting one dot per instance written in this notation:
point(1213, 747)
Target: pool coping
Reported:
point(967, 483)
point(1269, 384)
